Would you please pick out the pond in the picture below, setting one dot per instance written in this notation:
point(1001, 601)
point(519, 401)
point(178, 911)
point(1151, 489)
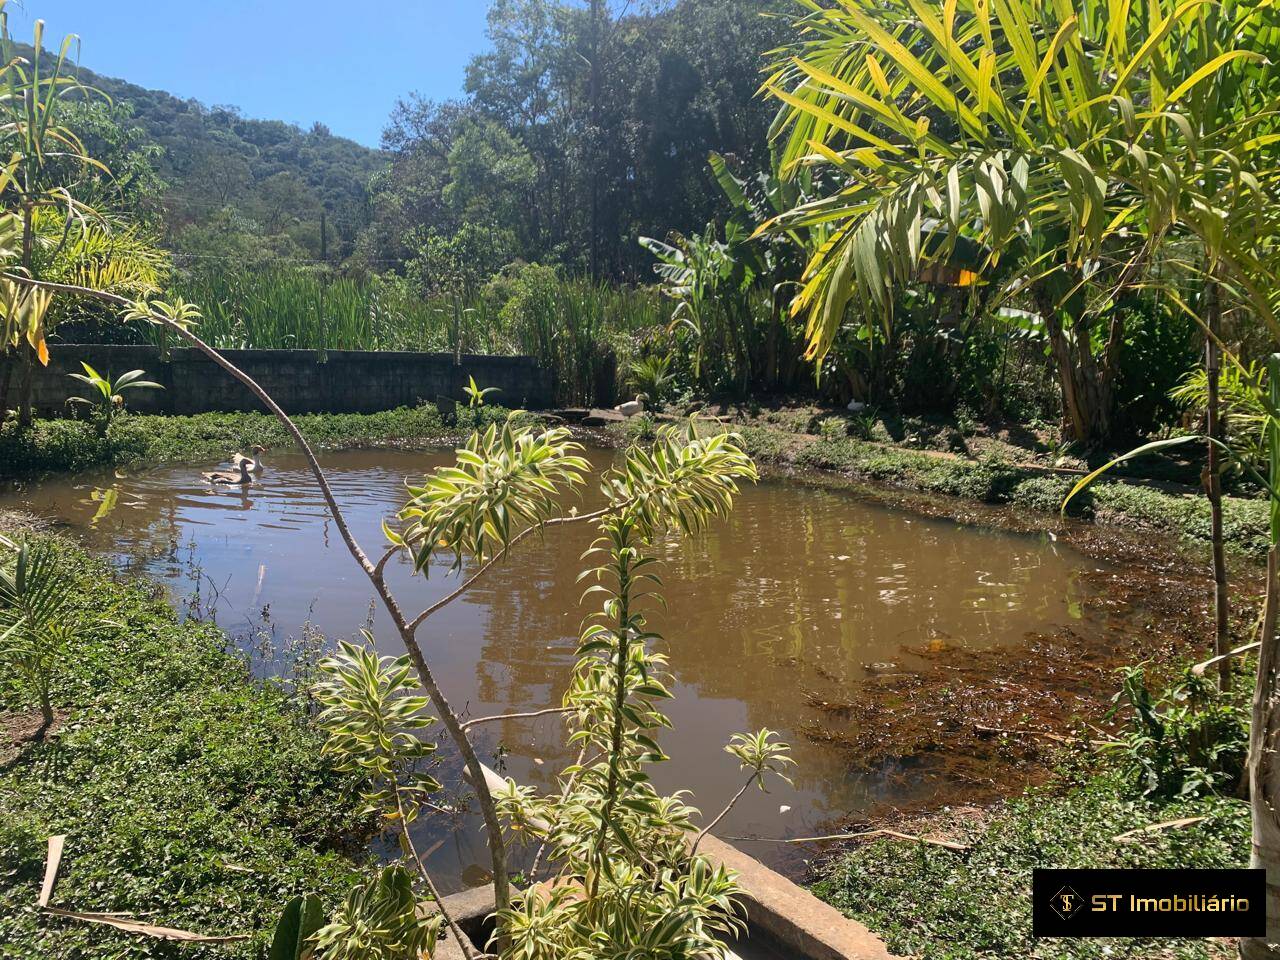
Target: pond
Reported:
point(799, 593)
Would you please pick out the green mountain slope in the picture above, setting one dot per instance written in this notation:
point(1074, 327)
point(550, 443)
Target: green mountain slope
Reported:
point(226, 176)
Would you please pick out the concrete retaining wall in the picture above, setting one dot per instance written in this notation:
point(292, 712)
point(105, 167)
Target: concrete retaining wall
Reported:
point(348, 381)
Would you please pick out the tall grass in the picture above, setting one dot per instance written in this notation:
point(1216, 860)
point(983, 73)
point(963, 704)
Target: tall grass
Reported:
point(575, 327)
point(278, 307)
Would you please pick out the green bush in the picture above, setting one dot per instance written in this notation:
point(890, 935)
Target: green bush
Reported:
point(1187, 739)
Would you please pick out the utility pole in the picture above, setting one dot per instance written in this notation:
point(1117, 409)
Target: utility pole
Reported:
point(324, 236)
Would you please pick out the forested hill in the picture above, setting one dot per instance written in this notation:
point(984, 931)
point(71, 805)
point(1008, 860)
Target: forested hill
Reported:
point(217, 165)
point(580, 129)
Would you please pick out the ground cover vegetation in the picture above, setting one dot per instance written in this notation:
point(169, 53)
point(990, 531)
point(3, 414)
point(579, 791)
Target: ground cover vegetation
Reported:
point(1023, 214)
point(188, 793)
point(55, 446)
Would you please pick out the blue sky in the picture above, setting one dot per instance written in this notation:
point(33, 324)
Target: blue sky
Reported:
point(343, 64)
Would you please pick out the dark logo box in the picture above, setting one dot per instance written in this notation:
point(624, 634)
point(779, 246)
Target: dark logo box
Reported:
point(1148, 903)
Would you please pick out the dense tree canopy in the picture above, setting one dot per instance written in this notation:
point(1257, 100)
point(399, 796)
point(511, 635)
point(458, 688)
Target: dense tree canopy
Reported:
point(582, 130)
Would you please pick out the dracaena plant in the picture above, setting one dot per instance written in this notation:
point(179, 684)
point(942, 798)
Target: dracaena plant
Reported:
point(374, 725)
point(505, 480)
point(624, 881)
point(379, 920)
point(506, 485)
point(621, 874)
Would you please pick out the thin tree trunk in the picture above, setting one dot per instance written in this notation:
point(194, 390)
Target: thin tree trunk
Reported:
point(771, 375)
point(26, 380)
point(1074, 423)
point(1087, 393)
point(593, 83)
point(1264, 773)
point(1213, 486)
point(10, 361)
point(26, 351)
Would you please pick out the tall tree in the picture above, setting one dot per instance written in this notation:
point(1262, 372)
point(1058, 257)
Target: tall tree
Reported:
point(617, 107)
point(1041, 132)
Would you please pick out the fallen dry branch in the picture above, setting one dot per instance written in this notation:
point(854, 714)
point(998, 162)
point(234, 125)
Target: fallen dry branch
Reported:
point(51, 863)
point(951, 845)
point(1055, 737)
point(1133, 836)
point(144, 929)
point(119, 921)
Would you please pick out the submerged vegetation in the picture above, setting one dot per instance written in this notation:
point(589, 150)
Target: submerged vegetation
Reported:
point(1158, 792)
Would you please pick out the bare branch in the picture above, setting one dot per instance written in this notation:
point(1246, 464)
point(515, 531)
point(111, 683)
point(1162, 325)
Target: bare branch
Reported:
point(379, 568)
point(464, 943)
point(518, 716)
point(894, 834)
point(693, 850)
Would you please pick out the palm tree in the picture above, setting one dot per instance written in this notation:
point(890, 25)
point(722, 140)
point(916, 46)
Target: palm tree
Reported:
point(1055, 136)
point(1073, 143)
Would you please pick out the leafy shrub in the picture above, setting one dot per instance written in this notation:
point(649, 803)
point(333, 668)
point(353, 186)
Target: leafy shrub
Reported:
point(651, 376)
point(1186, 740)
point(833, 428)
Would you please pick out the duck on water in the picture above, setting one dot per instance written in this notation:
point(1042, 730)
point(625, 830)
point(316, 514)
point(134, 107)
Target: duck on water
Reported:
point(243, 476)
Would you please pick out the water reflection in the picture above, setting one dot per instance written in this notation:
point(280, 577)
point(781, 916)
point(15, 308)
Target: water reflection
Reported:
point(800, 592)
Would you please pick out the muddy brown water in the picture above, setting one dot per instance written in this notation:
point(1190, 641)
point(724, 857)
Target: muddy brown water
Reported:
point(801, 592)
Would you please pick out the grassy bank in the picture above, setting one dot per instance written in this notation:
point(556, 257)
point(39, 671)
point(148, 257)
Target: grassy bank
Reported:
point(58, 446)
point(1182, 513)
point(996, 475)
point(932, 903)
point(191, 796)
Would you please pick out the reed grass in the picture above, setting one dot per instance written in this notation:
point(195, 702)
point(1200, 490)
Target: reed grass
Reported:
point(575, 327)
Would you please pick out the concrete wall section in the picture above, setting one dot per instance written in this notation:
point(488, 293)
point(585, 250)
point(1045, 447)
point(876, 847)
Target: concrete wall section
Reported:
point(347, 381)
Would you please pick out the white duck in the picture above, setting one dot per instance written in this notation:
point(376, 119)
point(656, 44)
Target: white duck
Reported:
point(632, 407)
point(254, 460)
point(231, 479)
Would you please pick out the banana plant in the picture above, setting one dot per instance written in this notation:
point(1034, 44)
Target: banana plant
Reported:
point(107, 396)
point(476, 394)
point(705, 277)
